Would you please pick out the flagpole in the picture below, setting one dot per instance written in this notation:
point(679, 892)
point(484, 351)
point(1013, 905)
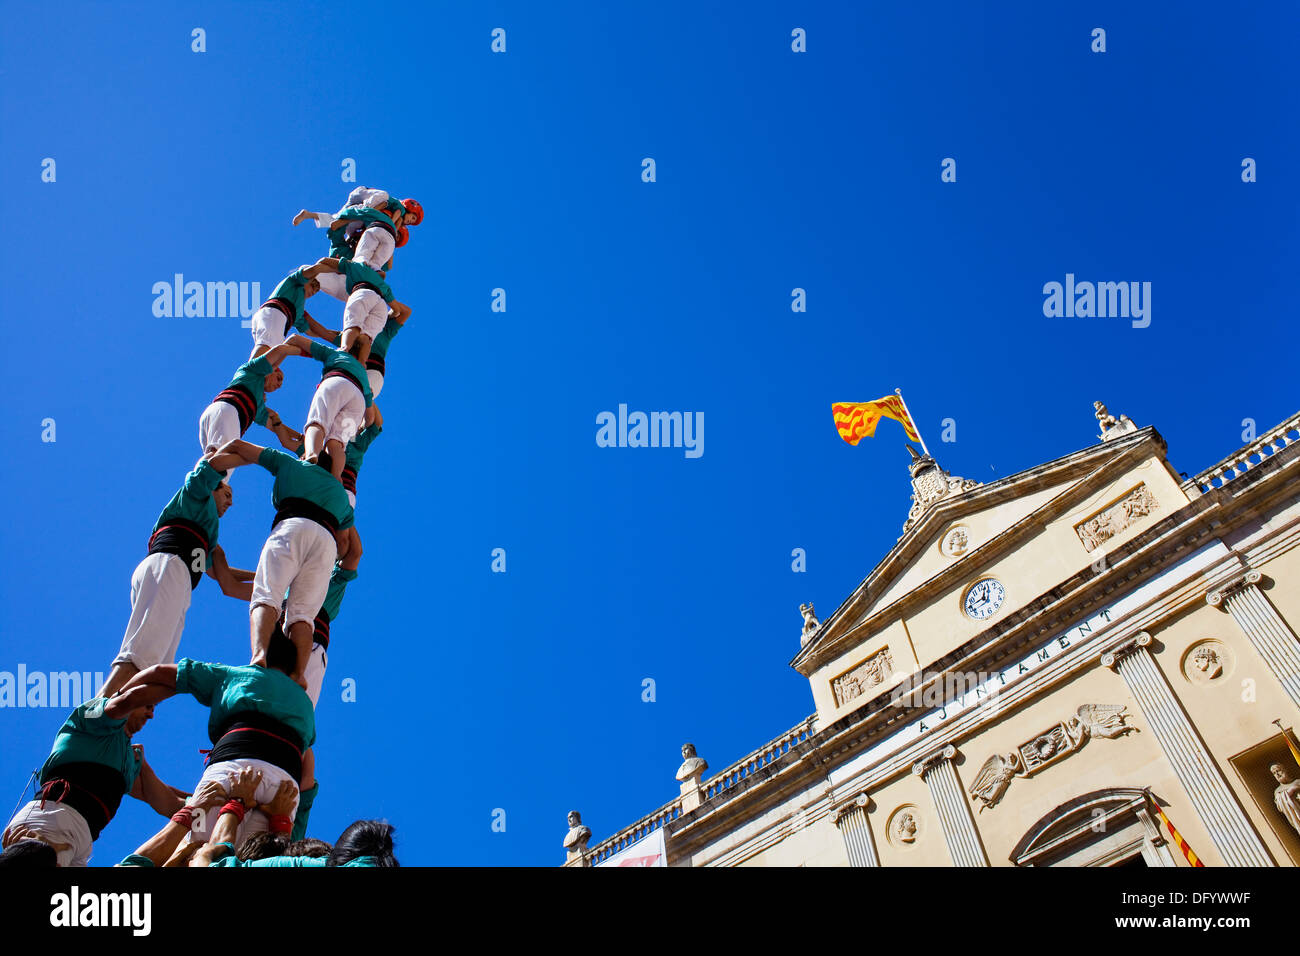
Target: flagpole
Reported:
point(899, 393)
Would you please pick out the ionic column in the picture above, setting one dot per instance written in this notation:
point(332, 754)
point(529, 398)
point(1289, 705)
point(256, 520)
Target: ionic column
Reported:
point(1265, 628)
point(858, 841)
point(1231, 832)
point(950, 804)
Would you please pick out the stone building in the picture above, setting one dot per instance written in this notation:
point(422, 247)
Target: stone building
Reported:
point(1037, 665)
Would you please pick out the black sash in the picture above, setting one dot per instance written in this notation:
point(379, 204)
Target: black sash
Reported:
point(181, 538)
point(94, 790)
point(249, 735)
point(302, 508)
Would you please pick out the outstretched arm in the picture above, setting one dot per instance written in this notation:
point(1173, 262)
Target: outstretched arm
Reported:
point(235, 582)
point(151, 790)
point(352, 557)
point(279, 353)
point(289, 438)
point(163, 844)
point(150, 686)
point(399, 312)
point(233, 454)
point(319, 331)
point(322, 265)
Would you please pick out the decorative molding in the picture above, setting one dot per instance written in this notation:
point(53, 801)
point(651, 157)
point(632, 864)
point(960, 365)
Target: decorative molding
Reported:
point(1247, 577)
point(926, 764)
point(1116, 517)
point(930, 484)
point(1060, 740)
point(1112, 657)
point(857, 680)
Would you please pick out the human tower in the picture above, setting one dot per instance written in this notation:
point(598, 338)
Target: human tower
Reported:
point(260, 771)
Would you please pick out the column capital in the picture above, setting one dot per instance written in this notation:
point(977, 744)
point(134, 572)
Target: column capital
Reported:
point(1246, 577)
point(926, 764)
point(1135, 643)
point(860, 802)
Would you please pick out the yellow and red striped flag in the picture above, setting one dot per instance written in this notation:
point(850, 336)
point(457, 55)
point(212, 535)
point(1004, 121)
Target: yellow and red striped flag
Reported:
point(1174, 835)
point(856, 420)
point(1295, 754)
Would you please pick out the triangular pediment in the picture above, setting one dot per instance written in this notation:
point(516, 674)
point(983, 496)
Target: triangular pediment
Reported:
point(947, 541)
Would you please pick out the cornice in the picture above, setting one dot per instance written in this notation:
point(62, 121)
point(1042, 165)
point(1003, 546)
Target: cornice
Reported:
point(836, 634)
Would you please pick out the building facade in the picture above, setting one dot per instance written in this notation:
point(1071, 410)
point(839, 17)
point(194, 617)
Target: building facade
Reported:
point(1053, 668)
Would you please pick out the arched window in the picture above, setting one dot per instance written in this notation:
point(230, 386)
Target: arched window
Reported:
point(1102, 828)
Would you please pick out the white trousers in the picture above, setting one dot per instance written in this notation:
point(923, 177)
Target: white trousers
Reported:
point(268, 327)
point(298, 557)
point(58, 823)
point(315, 672)
point(365, 196)
point(376, 378)
point(160, 596)
point(335, 284)
point(366, 310)
point(255, 821)
point(218, 425)
point(375, 248)
point(339, 407)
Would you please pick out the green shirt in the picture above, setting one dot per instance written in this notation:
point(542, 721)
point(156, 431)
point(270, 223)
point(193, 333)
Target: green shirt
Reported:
point(305, 799)
point(135, 859)
point(358, 447)
point(293, 292)
point(339, 579)
point(194, 503)
point(333, 359)
point(355, 272)
point(295, 478)
point(366, 214)
point(87, 736)
point(233, 690)
point(252, 376)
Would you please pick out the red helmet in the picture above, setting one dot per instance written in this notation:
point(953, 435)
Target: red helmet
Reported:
point(414, 212)
point(402, 236)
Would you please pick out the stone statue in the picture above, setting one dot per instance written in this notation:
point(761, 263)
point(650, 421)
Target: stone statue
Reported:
point(1206, 660)
point(1112, 427)
point(810, 623)
point(905, 828)
point(994, 778)
point(692, 765)
point(1287, 795)
point(1100, 720)
point(576, 839)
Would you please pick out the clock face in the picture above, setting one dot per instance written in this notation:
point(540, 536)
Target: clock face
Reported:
point(984, 599)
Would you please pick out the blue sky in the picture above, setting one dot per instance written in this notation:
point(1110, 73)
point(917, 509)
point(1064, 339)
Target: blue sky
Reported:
point(775, 170)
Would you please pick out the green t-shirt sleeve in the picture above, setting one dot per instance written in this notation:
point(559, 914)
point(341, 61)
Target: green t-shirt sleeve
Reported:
point(337, 339)
point(135, 859)
point(260, 417)
point(98, 726)
point(321, 353)
point(260, 366)
point(366, 436)
point(305, 799)
point(273, 460)
point(201, 482)
point(202, 681)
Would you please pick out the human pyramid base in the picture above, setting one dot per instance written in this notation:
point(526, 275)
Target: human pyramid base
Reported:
point(252, 802)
